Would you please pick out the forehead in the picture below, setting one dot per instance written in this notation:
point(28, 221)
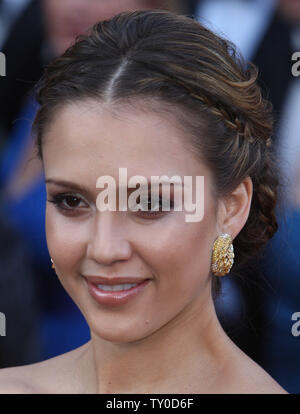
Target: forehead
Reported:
point(93, 139)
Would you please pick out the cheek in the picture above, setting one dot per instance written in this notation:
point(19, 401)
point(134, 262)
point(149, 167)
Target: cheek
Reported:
point(65, 241)
point(190, 253)
point(180, 257)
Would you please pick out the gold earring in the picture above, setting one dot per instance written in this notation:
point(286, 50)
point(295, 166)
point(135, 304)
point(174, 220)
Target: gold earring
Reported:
point(53, 267)
point(223, 255)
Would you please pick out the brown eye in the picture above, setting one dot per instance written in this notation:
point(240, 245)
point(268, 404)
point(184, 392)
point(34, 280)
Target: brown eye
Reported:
point(68, 202)
point(154, 208)
point(72, 201)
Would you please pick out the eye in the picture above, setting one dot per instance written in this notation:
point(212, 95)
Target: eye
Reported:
point(68, 202)
point(155, 208)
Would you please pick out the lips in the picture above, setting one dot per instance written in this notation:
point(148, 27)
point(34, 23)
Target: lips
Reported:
point(115, 298)
point(99, 280)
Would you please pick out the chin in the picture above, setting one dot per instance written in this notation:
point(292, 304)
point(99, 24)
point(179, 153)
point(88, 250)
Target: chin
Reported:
point(119, 336)
point(120, 331)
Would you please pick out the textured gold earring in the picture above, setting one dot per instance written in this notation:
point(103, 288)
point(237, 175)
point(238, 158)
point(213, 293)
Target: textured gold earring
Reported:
point(222, 255)
point(53, 267)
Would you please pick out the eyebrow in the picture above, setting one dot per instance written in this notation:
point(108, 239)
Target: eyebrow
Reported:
point(69, 184)
point(81, 188)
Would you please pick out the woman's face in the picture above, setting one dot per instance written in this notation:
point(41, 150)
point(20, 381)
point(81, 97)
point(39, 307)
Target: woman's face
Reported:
point(85, 141)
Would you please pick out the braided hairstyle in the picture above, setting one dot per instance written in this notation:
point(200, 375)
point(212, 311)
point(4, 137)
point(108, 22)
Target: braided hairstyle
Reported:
point(172, 64)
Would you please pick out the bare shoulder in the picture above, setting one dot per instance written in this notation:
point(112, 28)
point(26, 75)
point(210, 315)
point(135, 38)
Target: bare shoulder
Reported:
point(13, 382)
point(53, 375)
point(248, 377)
point(258, 381)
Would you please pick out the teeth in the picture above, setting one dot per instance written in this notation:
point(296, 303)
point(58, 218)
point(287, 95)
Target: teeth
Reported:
point(125, 286)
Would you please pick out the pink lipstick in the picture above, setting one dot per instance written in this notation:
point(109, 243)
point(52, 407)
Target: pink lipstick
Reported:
point(97, 286)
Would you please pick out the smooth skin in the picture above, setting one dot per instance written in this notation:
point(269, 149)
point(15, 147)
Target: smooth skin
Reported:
point(167, 339)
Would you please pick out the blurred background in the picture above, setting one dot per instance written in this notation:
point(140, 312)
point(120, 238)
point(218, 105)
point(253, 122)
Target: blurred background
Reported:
point(257, 304)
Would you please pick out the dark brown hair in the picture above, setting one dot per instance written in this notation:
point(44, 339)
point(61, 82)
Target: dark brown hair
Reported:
point(175, 65)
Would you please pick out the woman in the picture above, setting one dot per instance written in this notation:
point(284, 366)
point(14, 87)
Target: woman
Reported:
point(159, 95)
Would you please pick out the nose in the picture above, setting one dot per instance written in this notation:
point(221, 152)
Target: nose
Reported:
point(107, 242)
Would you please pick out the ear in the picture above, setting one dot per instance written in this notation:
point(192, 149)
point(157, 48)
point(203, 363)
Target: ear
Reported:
point(233, 210)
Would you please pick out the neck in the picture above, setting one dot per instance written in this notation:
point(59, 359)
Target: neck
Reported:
point(186, 353)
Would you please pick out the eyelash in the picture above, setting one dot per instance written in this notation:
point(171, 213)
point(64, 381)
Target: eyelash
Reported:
point(58, 199)
point(155, 213)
